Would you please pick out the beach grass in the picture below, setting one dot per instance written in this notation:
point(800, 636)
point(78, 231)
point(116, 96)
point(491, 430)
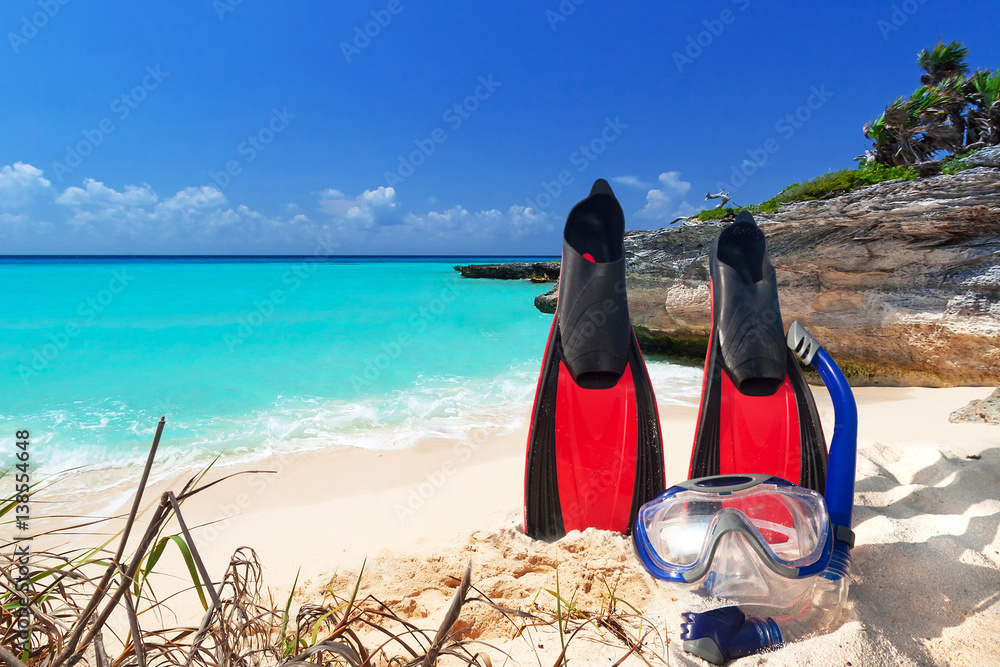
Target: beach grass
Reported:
point(101, 605)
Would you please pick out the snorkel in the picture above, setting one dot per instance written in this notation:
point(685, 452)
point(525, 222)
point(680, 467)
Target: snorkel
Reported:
point(727, 633)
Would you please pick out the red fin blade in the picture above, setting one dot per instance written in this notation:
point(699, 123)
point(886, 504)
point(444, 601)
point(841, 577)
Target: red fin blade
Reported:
point(760, 434)
point(596, 453)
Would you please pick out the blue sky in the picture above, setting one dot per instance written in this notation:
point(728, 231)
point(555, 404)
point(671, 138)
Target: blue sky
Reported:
point(246, 127)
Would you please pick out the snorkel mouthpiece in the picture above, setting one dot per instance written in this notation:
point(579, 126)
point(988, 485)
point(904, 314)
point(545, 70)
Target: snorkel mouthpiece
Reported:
point(727, 634)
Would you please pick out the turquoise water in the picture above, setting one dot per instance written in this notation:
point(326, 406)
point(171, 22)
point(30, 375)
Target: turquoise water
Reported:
point(255, 358)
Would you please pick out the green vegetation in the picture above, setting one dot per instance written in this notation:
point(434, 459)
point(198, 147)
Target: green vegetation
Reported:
point(953, 163)
point(678, 349)
point(821, 187)
point(951, 111)
point(838, 182)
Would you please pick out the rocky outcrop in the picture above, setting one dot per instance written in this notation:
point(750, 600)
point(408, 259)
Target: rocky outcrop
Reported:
point(984, 411)
point(547, 302)
point(985, 157)
point(539, 272)
point(900, 281)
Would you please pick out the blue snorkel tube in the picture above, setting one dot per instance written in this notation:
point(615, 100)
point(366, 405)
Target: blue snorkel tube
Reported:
point(726, 633)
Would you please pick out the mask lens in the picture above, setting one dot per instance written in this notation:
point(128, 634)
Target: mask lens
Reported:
point(792, 523)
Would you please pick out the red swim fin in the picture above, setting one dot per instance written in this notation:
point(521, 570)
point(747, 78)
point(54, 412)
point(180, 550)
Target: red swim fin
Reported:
point(757, 412)
point(594, 451)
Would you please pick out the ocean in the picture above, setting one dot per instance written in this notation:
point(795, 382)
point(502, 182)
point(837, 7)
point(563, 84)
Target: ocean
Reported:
point(248, 358)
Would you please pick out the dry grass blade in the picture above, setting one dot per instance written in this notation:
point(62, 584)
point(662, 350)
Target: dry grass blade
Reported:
point(393, 638)
point(194, 551)
point(10, 659)
point(100, 655)
point(76, 607)
point(159, 517)
point(187, 494)
point(449, 619)
point(503, 610)
point(102, 589)
point(338, 648)
point(561, 660)
point(133, 622)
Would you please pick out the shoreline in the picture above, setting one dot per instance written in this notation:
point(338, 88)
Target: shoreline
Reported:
point(402, 484)
point(926, 564)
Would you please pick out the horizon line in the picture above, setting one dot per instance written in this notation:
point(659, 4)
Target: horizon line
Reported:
point(318, 257)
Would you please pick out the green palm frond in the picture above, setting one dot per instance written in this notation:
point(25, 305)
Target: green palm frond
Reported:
point(987, 84)
point(922, 100)
point(952, 88)
point(877, 131)
point(942, 61)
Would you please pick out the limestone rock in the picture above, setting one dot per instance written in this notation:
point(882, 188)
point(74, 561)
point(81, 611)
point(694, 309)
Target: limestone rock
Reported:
point(900, 281)
point(547, 302)
point(984, 157)
point(539, 272)
point(986, 411)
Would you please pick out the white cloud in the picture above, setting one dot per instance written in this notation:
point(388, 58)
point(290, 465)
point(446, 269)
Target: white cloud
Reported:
point(196, 215)
point(94, 217)
point(631, 181)
point(486, 224)
point(671, 180)
point(438, 221)
point(667, 202)
point(193, 199)
point(21, 229)
point(20, 184)
point(368, 208)
point(95, 194)
point(379, 215)
point(526, 219)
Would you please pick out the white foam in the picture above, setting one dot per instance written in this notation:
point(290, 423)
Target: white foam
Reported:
point(469, 410)
point(674, 384)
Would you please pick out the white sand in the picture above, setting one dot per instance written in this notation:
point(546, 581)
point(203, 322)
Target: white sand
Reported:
point(926, 564)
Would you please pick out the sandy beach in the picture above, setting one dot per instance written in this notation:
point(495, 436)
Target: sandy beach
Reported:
point(926, 565)
point(317, 248)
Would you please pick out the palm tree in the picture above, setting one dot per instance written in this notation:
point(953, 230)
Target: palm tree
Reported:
point(943, 61)
point(952, 102)
point(984, 117)
point(951, 110)
point(911, 129)
point(945, 68)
